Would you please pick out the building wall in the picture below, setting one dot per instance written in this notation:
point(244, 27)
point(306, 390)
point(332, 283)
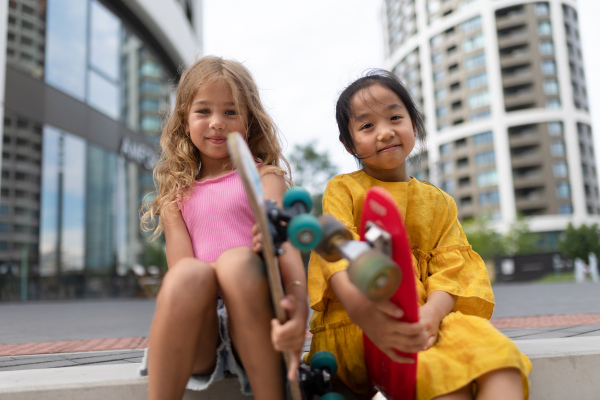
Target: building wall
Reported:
point(502, 86)
point(87, 85)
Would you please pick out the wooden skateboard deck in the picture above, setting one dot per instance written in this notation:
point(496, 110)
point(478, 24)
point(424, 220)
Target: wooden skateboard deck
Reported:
point(246, 167)
point(393, 380)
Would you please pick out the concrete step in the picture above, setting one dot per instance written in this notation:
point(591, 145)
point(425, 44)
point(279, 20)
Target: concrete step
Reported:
point(565, 368)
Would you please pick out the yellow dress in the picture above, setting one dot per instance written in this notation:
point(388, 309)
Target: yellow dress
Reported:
point(468, 346)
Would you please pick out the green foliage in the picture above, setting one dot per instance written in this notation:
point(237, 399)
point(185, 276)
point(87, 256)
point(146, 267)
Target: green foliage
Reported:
point(580, 242)
point(519, 239)
point(154, 254)
point(485, 241)
point(312, 170)
point(488, 243)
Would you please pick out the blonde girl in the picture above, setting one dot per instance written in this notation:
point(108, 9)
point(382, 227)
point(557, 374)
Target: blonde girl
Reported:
point(213, 312)
point(461, 355)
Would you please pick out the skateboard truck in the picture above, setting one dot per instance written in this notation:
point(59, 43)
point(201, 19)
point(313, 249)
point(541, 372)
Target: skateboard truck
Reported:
point(293, 221)
point(316, 379)
point(371, 268)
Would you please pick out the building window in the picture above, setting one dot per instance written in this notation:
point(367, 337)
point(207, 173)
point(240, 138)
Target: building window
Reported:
point(565, 209)
point(480, 115)
point(471, 25)
point(476, 81)
point(563, 190)
point(475, 61)
point(483, 138)
point(437, 58)
point(473, 43)
point(487, 178)
point(557, 149)
point(542, 9)
point(555, 128)
point(485, 158)
point(560, 169)
point(487, 198)
point(478, 100)
point(545, 28)
point(549, 67)
point(553, 104)
point(440, 94)
point(546, 47)
point(438, 76)
point(442, 111)
point(551, 86)
point(445, 148)
point(448, 186)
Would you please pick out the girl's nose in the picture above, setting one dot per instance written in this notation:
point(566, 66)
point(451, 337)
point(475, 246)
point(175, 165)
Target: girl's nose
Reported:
point(385, 133)
point(216, 122)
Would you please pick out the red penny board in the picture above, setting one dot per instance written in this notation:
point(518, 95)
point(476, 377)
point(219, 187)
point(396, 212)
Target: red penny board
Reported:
point(394, 380)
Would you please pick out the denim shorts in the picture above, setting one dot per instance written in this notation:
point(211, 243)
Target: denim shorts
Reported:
point(226, 364)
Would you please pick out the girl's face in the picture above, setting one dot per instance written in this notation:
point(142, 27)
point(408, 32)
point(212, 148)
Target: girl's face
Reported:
point(211, 117)
point(382, 132)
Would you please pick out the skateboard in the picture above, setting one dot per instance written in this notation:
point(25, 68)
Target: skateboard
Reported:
point(381, 267)
point(276, 225)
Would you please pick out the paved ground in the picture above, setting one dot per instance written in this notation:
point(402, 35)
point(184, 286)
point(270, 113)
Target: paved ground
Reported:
point(59, 334)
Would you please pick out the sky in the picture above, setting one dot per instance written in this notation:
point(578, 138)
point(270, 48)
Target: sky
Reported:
point(303, 54)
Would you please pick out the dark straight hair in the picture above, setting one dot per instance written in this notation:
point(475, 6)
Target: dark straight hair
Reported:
point(343, 111)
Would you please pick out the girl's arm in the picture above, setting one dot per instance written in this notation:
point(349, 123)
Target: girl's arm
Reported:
point(179, 244)
point(289, 336)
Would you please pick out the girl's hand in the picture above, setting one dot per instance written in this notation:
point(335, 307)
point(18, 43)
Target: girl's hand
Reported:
point(291, 335)
point(256, 239)
point(430, 320)
point(379, 322)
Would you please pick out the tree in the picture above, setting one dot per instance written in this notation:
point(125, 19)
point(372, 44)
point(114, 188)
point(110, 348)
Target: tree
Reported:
point(520, 239)
point(485, 241)
point(312, 170)
point(580, 242)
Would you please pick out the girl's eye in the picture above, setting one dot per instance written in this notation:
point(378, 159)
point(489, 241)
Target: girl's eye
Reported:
point(395, 117)
point(231, 112)
point(203, 111)
point(366, 126)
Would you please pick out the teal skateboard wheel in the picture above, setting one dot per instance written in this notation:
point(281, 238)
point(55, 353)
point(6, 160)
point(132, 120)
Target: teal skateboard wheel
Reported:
point(304, 231)
point(332, 396)
point(295, 194)
point(324, 359)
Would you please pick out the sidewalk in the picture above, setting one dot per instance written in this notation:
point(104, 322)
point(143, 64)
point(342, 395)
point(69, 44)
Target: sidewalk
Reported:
point(64, 334)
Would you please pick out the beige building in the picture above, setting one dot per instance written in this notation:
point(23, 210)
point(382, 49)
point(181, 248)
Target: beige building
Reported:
point(502, 87)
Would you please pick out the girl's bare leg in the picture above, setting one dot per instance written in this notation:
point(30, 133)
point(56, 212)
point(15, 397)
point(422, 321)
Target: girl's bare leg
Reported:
point(246, 295)
point(503, 383)
point(184, 333)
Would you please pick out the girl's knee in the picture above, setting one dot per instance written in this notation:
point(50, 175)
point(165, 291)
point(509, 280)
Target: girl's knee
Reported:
point(240, 267)
point(188, 276)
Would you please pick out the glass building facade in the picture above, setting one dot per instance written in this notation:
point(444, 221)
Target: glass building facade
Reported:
point(87, 84)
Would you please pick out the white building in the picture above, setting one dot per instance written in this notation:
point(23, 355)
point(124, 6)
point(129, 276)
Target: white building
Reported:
point(502, 87)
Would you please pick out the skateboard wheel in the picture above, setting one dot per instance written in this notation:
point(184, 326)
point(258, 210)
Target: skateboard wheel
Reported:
point(333, 232)
point(295, 194)
point(332, 396)
point(323, 360)
point(376, 275)
point(304, 231)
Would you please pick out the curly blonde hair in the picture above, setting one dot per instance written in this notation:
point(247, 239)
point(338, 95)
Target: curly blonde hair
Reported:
point(179, 163)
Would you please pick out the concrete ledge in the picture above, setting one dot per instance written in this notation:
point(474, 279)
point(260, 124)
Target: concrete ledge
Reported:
point(565, 368)
point(97, 382)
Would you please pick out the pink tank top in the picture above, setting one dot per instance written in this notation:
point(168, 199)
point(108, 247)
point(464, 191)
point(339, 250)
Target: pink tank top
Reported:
point(218, 216)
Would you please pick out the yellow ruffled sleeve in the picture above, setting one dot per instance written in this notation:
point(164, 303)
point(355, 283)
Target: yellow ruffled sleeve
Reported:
point(338, 200)
point(452, 265)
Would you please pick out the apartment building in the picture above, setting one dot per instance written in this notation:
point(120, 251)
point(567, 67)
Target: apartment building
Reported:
point(502, 87)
